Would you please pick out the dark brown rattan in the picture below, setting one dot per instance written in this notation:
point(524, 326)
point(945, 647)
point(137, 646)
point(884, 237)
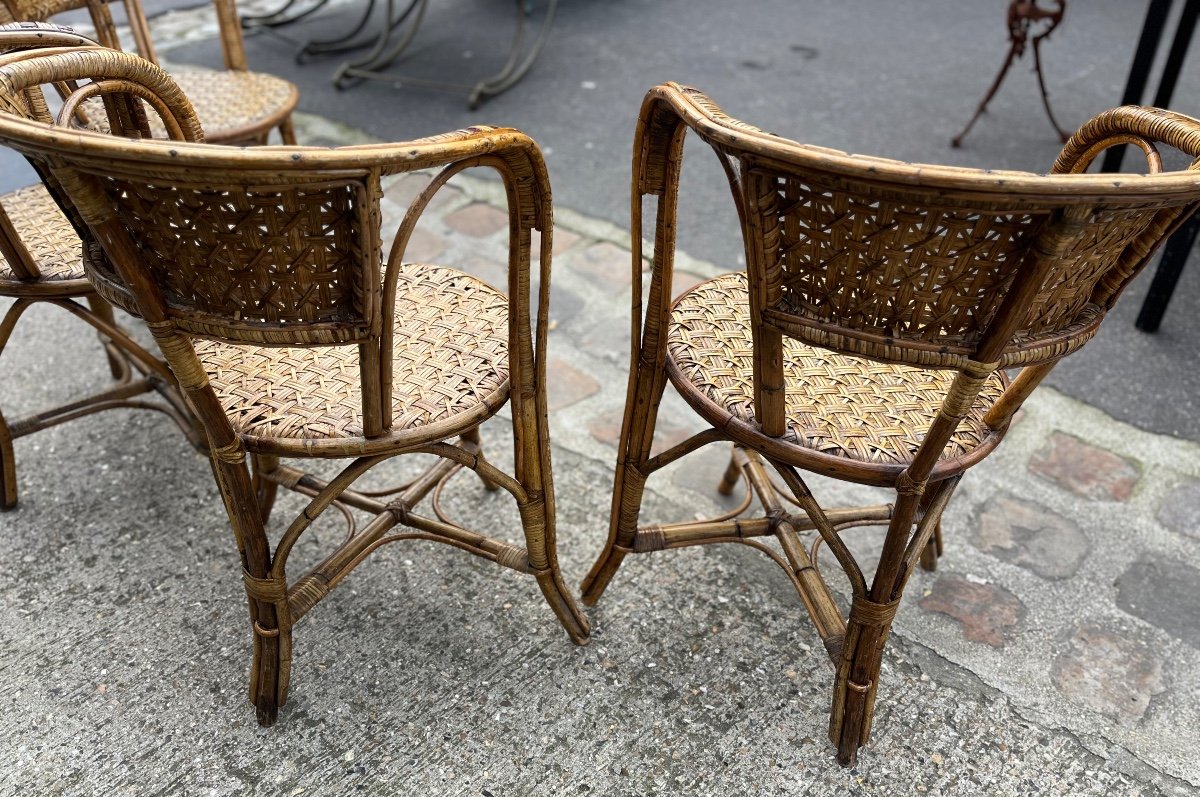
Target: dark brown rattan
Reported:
point(235, 105)
point(291, 336)
point(41, 261)
point(867, 340)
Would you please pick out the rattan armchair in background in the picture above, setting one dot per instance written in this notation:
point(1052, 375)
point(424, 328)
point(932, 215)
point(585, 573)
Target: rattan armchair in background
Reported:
point(259, 274)
point(868, 340)
point(235, 105)
point(41, 261)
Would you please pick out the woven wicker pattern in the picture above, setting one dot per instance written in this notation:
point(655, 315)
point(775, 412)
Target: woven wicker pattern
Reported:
point(920, 272)
point(223, 100)
point(837, 404)
point(1071, 285)
point(450, 355)
point(268, 256)
point(46, 233)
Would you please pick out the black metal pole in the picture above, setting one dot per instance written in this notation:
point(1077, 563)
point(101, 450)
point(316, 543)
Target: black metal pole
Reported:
point(1139, 71)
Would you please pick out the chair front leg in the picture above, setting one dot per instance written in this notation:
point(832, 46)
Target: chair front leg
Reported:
point(8, 464)
point(270, 618)
point(646, 385)
point(543, 561)
point(117, 364)
point(8, 468)
point(933, 549)
point(265, 488)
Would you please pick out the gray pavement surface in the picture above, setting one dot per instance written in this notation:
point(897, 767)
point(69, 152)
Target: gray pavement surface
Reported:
point(1055, 651)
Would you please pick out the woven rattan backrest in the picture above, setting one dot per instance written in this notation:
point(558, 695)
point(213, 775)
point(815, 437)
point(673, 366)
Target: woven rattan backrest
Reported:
point(252, 256)
point(922, 264)
point(911, 273)
point(244, 254)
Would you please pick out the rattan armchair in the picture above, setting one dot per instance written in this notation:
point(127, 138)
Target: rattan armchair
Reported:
point(259, 274)
point(41, 261)
point(235, 105)
point(868, 340)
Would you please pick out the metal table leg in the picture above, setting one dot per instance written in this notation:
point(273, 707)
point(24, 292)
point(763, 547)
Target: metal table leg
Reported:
point(350, 41)
point(371, 66)
point(280, 16)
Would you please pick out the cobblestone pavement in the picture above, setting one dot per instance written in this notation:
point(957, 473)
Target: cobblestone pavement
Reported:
point(1055, 651)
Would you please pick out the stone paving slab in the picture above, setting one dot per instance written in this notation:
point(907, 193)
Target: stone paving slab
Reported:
point(1043, 656)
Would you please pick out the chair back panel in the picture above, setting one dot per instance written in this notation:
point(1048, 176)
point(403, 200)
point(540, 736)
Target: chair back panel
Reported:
point(910, 273)
point(236, 259)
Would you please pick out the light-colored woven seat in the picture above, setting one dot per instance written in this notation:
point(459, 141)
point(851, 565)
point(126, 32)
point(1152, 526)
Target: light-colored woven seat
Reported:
point(236, 102)
point(235, 105)
point(450, 356)
point(837, 404)
point(46, 233)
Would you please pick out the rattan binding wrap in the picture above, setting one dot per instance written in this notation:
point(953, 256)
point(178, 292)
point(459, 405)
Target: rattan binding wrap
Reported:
point(867, 341)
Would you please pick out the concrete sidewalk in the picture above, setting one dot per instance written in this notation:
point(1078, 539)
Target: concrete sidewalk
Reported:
point(1056, 650)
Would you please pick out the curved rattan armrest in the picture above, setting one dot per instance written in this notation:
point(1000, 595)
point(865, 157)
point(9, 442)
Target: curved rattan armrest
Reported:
point(24, 35)
point(1130, 124)
point(64, 66)
point(390, 158)
point(691, 107)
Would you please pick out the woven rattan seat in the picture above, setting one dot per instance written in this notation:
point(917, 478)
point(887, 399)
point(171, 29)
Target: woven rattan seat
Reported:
point(450, 357)
point(232, 103)
point(844, 406)
point(46, 233)
point(260, 273)
point(867, 341)
point(235, 105)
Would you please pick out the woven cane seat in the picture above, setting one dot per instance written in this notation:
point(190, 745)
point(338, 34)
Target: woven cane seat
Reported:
point(450, 356)
point(231, 105)
point(46, 233)
point(837, 404)
point(231, 100)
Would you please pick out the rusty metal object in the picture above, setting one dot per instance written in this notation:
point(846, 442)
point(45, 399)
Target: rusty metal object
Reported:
point(1022, 16)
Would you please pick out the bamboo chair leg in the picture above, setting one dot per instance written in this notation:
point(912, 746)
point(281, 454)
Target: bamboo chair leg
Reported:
point(8, 468)
point(933, 549)
point(857, 676)
point(117, 364)
point(630, 480)
point(733, 472)
point(267, 595)
point(265, 488)
point(287, 131)
point(8, 463)
point(543, 561)
point(472, 437)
